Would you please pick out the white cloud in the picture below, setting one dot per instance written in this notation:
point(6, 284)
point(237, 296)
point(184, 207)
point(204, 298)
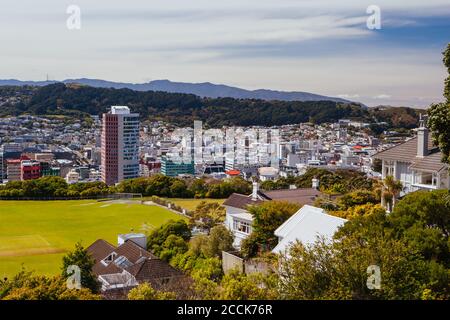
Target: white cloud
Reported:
point(348, 96)
point(382, 97)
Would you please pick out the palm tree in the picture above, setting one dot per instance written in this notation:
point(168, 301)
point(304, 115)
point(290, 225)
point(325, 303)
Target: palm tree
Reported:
point(389, 189)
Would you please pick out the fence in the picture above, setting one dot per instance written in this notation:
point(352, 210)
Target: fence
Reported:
point(102, 197)
point(169, 205)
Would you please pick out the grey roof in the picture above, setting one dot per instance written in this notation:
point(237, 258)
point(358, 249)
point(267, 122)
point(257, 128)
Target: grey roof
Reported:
point(240, 201)
point(407, 152)
point(432, 162)
point(298, 196)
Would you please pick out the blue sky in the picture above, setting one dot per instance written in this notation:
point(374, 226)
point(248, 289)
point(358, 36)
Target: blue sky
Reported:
point(320, 46)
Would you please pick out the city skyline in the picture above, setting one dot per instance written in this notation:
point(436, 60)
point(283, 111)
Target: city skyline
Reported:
point(312, 46)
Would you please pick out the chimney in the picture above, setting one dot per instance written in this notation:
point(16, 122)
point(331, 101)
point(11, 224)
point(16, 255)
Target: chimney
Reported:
point(315, 183)
point(422, 138)
point(255, 191)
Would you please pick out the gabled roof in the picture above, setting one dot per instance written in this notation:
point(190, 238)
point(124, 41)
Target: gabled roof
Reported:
point(407, 152)
point(133, 252)
point(241, 201)
point(306, 225)
point(431, 163)
point(150, 269)
point(299, 196)
point(129, 250)
point(99, 250)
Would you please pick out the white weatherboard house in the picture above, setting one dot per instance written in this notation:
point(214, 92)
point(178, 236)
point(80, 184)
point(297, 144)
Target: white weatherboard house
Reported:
point(239, 221)
point(306, 226)
point(416, 163)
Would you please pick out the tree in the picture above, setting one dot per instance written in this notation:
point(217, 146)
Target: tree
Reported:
point(82, 259)
point(423, 219)
point(359, 197)
point(439, 116)
point(359, 210)
point(338, 269)
point(171, 247)
point(388, 190)
point(145, 291)
point(178, 189)
point(267, 217)
point(198, 188)
point(239, 286)
point(27, 286)
point(207, 215)
point(157, 237)
point(220, 239)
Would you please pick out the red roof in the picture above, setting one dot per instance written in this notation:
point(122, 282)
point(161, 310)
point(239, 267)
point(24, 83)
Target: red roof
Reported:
point(13, 161)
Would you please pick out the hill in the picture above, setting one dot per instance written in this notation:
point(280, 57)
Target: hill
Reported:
point(206, 89)
point(182, 109)
point(178, 108)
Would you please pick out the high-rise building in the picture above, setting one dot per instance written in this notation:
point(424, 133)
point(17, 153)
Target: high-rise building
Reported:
point(120, 145)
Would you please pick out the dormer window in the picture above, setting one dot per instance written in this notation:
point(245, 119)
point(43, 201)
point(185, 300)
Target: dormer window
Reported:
point(110, 258)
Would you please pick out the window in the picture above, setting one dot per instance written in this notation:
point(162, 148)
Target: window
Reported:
point(109, 258)
point(242, 226)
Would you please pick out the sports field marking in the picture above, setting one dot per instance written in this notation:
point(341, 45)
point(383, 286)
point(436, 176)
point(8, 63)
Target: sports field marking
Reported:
point(31, 244)
point(23, 242)
point(30, 252)
point(105, 205)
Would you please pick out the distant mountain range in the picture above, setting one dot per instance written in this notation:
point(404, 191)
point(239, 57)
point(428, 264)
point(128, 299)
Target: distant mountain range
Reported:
point(206, 89)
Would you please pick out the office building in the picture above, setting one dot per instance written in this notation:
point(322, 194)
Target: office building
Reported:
point(172, 169)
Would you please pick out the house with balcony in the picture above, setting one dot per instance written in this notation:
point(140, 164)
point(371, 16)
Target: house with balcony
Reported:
point(416, 163)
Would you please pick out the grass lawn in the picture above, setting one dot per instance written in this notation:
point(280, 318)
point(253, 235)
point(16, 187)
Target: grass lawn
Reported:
point(38, 233)
point(191, 204)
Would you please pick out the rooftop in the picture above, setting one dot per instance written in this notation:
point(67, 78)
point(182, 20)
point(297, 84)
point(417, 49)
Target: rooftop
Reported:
point(407, 152)
point(120, 110)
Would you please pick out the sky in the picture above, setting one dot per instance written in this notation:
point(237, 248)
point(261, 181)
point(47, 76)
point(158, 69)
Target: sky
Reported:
point(318, 46)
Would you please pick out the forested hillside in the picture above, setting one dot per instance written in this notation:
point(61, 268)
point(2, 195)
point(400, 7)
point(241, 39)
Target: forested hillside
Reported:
point(182, 109)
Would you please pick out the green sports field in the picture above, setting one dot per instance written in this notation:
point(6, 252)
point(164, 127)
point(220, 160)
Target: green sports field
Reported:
point(36, 234)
